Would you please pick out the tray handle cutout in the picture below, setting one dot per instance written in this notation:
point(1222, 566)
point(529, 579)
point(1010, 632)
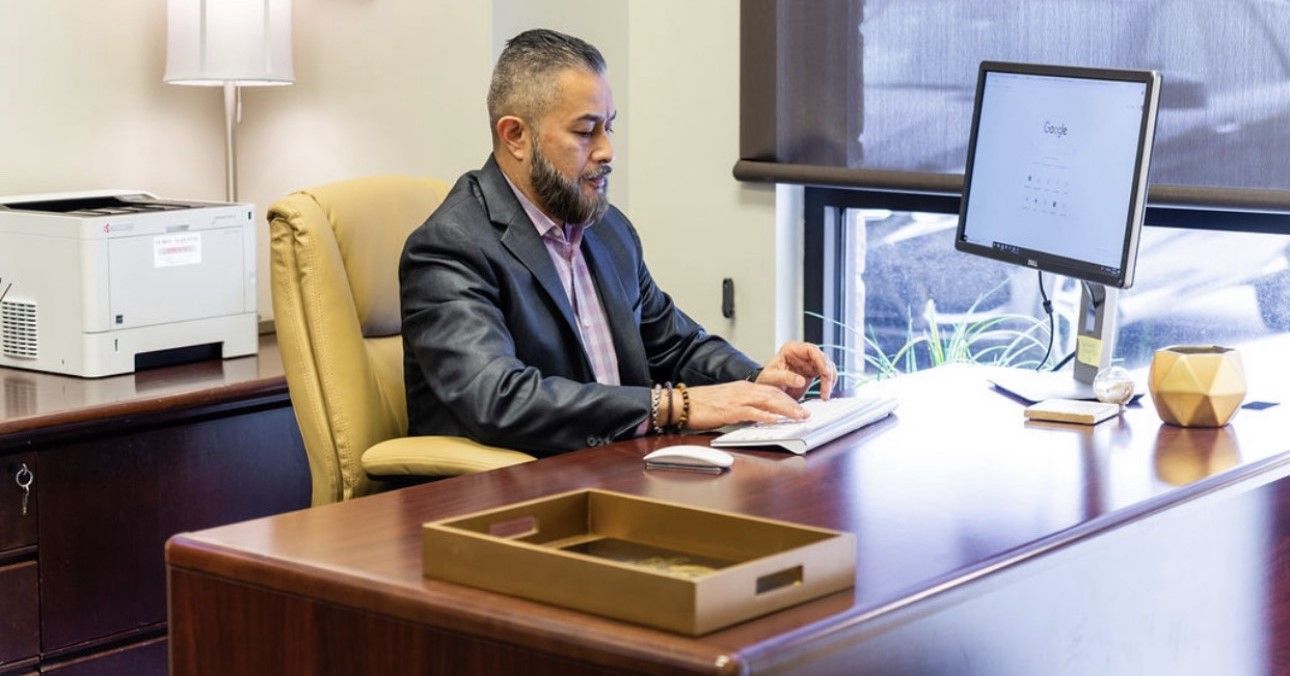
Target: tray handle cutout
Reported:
point(784, 578)
point(513, 529)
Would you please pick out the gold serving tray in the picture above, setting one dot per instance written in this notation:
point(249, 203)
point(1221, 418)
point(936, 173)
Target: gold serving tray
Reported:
point(650, 562)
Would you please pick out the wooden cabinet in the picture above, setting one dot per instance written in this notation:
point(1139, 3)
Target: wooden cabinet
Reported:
point(19, 614)
point(119, 465)
point(19, 579)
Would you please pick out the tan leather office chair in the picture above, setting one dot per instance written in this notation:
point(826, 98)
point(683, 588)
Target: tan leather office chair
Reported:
point(335, 254)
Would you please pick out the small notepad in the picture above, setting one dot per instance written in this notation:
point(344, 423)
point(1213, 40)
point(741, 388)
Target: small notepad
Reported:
point(1072, 411)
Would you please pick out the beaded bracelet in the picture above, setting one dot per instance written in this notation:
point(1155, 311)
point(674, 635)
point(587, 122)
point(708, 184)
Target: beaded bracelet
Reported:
point(654, 396)
point(671, 408)
point(685, 407)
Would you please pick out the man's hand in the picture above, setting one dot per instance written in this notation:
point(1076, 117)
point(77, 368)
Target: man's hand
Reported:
point(712, 406)
point(796, 365)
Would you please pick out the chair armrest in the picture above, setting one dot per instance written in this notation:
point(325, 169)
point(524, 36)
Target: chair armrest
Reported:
point(436, 456)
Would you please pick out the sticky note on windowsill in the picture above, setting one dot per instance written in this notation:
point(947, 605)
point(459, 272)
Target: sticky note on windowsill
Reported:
point(1072, 411)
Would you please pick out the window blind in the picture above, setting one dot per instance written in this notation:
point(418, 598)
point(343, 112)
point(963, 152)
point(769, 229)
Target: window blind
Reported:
point(878, 94)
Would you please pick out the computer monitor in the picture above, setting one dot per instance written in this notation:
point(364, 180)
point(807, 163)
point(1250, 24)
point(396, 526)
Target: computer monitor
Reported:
point(1056, 180)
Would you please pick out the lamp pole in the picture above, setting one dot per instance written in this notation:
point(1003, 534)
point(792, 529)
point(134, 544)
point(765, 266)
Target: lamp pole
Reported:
point(232, 113)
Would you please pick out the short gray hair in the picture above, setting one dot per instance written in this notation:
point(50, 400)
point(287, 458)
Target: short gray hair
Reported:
point(524, 78)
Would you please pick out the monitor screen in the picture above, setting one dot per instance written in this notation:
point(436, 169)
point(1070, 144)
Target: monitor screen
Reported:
point(1056, 174)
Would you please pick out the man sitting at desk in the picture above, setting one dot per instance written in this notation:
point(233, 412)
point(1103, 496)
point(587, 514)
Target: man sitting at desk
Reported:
point(530, 320)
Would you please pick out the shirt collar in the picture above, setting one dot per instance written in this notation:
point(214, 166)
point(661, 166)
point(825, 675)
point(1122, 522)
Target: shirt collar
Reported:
point(541, 221)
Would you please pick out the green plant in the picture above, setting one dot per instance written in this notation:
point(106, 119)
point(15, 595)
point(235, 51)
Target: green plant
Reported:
point(1001, 339)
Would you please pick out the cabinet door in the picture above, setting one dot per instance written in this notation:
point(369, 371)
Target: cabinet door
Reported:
point(17, 529)
point(108, 505)
point(19, 613)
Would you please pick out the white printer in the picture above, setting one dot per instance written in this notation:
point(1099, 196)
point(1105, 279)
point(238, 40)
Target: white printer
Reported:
point(101, 283)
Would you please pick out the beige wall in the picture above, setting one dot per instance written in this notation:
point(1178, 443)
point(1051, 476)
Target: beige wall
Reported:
point(398, 86)
point(698, 224)
point(83, 105)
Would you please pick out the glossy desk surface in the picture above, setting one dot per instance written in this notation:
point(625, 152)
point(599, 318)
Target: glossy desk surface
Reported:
point(32, 401)
point(953, 486)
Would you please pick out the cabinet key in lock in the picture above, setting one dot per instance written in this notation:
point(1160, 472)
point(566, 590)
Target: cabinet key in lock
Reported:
point(24, 479)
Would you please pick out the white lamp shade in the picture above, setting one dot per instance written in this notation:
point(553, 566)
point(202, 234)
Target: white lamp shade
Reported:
point(240, 42)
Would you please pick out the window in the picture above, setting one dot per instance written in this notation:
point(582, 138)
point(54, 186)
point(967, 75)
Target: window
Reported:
point(880, 261)
point(898, 297)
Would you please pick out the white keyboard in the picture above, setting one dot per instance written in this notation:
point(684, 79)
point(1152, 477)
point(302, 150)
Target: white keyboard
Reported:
point(829, 420)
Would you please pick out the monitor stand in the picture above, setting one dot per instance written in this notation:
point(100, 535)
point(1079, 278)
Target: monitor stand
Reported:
point(1035, 386)
point(1094, 344)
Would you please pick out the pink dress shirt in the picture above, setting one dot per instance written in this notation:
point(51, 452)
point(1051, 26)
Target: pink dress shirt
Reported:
point(564, 244)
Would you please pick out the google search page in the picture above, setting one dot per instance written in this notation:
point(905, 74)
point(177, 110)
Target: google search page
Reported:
point(1053, 169)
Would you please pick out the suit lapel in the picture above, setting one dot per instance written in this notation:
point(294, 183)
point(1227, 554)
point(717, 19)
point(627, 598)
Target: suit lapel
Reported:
point(632, 364)
point(523, 241)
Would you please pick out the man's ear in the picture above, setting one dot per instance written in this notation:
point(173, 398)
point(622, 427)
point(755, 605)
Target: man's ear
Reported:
point(515, 137)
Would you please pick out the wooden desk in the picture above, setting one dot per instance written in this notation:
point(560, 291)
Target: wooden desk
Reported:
point(120, 464)
point(985, 544)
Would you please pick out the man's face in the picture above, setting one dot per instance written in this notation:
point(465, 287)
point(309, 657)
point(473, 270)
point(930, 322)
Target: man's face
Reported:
point(571, 154)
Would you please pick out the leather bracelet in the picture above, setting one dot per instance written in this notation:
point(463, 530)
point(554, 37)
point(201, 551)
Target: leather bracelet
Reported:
point(685, 407)
point(655, 395)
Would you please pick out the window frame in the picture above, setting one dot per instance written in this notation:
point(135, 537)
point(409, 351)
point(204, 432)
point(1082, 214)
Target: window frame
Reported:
point(824, 236)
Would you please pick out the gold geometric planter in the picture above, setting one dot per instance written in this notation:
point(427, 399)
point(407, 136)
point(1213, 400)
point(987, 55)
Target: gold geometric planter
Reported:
point(1197, 385)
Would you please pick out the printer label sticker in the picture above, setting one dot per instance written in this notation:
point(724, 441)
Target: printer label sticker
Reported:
point(177, 249)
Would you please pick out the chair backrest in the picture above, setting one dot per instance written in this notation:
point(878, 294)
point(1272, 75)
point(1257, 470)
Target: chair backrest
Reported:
point(335, 254)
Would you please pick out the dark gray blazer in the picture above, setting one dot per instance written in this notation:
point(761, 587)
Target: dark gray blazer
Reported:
point(490, 350)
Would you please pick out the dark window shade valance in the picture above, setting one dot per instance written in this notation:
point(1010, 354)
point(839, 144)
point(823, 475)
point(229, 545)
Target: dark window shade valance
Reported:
point(1255, 200)
point(877, 94)
point(831, 176)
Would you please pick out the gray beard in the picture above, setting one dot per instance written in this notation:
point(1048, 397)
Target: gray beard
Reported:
point(562, 198)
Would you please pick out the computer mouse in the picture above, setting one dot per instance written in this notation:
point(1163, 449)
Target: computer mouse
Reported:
point(689, 455)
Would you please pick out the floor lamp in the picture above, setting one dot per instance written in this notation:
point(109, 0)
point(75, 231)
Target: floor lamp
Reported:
point(233, 44)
